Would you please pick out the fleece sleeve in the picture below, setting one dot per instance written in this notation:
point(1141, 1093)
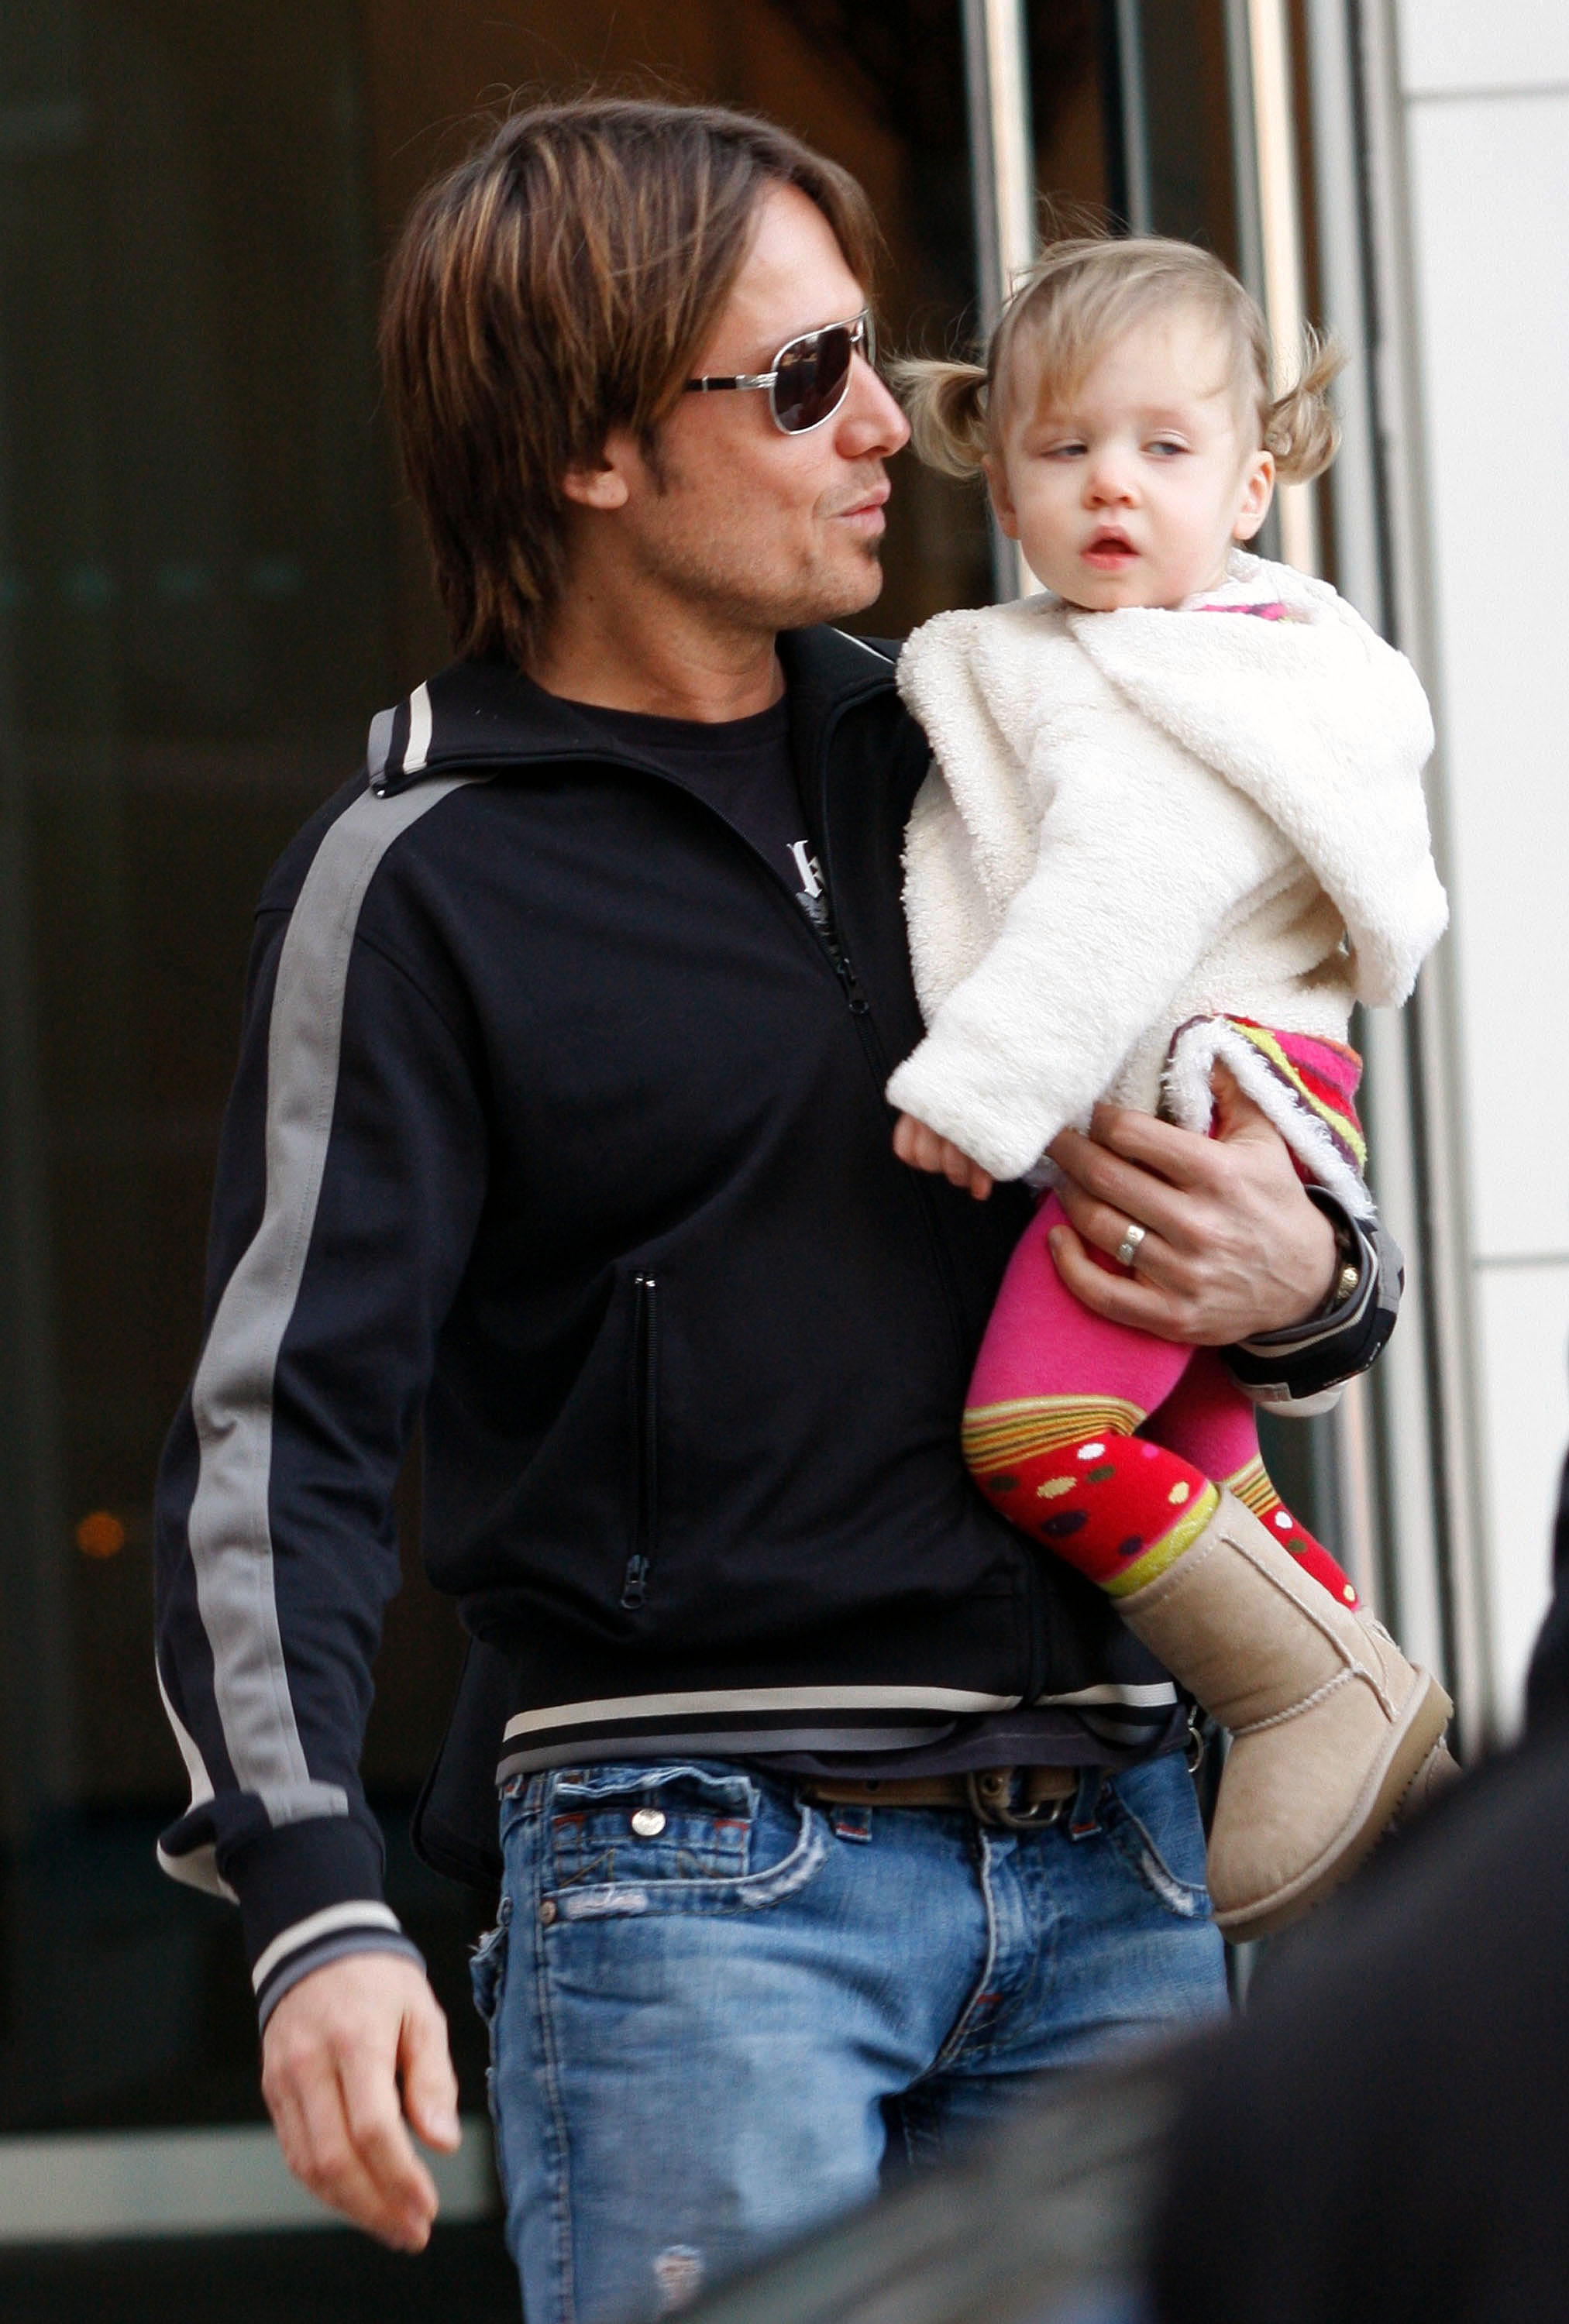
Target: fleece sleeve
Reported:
point(351, 1175)
point(1142, 857)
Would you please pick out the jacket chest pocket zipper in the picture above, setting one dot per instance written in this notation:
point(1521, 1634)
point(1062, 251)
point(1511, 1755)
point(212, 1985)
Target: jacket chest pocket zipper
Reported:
point(645, 1417)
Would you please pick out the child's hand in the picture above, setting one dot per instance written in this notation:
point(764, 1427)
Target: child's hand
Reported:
point(923, 1149)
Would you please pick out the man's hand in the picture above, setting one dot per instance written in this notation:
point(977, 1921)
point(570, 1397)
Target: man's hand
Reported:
point(923, 1149)
point(1233, 1246)
point(348, 2053)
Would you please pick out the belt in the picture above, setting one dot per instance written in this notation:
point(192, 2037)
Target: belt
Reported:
point(1016, 1799)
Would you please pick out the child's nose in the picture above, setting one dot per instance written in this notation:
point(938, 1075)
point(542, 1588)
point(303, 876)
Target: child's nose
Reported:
point(1107, 479)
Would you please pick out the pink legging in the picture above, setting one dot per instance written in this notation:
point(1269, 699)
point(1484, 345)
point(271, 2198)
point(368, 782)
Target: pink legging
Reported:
point(1041, 1344)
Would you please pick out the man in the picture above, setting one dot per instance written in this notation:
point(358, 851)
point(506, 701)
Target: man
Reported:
point(828, 1806)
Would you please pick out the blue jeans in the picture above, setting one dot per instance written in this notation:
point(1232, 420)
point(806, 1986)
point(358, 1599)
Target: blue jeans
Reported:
point(715, 2008)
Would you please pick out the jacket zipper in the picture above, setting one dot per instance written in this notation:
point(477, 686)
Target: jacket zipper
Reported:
point(843, 968)
point(824, 938)
point(646, 1443)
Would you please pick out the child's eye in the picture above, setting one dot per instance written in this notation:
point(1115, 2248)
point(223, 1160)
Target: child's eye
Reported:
point(1073, 449)
point(1167, 446)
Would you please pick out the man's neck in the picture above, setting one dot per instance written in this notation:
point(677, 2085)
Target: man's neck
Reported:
point(663, 659)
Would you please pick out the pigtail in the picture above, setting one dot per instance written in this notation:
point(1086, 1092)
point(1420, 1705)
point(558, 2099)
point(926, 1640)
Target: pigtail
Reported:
point(946, 405)
point(1301, 429)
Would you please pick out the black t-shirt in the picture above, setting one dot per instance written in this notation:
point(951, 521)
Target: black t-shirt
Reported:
point(743, 768)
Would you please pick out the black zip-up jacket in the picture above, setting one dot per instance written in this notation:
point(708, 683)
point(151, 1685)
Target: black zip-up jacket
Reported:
point(559, 1124)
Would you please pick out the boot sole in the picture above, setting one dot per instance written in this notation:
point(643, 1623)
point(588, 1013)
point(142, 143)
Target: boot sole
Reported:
point(1419, 1726)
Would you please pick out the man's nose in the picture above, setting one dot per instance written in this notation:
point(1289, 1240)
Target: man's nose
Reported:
point(871, 423)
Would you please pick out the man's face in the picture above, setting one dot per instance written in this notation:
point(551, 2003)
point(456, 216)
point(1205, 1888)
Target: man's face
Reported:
point(766, 531)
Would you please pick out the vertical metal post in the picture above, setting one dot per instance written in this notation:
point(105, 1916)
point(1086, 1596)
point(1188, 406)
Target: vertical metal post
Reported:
point(1394, 1412)
point(1271, 236)
point(1136, 192)
point(1279, 216)
point(1432, 1059)
point(1002, 179)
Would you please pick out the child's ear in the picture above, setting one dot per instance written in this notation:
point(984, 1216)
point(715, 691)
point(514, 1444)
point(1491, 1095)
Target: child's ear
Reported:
point(1258, 491)
point(996, 476)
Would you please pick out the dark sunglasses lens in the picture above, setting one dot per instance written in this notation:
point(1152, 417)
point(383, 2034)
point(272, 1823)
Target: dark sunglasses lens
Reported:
point(810, 380)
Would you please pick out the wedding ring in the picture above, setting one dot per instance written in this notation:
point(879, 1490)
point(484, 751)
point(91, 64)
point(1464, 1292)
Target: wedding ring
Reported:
point(1128, 1249)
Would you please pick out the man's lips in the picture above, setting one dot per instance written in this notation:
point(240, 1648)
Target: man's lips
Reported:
point(867, 509)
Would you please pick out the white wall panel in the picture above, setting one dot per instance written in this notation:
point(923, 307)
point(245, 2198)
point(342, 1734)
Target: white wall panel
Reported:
point(1466, 44)
point(1486, 107)
point(1490, 194)
point(1523, 1313)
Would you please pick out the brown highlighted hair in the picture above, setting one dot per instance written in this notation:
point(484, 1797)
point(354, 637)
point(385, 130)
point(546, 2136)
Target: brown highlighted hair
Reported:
point(556, 285)
point(1081, 295)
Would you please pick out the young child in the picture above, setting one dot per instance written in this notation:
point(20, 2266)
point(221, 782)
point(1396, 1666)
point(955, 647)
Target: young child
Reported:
point(1173, 819)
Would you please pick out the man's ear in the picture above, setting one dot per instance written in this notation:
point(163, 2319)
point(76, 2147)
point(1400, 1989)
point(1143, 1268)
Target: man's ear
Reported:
point(1258, 491)
point(997, 485)
point(606, 483)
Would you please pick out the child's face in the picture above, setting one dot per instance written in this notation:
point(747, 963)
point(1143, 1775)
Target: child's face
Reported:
point(1130, 489)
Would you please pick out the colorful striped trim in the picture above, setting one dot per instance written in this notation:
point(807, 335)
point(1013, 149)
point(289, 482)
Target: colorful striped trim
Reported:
point(1252, 1487)
point(1320, 1076)
point(1164, 1553)
point(998, 1435)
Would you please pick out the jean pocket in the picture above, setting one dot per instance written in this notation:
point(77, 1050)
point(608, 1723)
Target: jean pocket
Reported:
point(1150, 1815)
point(674, 1822)
point(685, 1835)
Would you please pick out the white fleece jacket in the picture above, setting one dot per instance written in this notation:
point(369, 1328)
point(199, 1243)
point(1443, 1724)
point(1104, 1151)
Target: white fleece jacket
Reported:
point(1139, 817)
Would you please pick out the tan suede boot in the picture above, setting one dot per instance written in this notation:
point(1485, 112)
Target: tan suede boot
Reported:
point(1437, 1775)
point(1330, 1724)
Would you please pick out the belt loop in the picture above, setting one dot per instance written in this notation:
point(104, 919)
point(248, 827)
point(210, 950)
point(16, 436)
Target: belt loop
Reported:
point(851, 1822)
point(1084, 1820)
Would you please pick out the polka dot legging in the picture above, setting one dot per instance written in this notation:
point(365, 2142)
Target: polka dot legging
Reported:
point(1050, 1433)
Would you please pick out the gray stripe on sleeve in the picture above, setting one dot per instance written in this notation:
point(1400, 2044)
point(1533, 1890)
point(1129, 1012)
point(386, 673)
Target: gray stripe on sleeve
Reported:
point(229, 1527)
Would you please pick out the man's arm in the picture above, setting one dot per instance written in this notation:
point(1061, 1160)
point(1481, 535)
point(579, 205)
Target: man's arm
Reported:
point(352, 1171)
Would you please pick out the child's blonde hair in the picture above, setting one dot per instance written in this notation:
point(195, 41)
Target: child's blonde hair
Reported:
point(1079, 296)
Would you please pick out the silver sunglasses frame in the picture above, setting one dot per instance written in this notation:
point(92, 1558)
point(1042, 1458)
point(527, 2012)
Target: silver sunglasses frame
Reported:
point(862, 333)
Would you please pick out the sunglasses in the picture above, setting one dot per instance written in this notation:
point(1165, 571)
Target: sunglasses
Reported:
point(810, 376)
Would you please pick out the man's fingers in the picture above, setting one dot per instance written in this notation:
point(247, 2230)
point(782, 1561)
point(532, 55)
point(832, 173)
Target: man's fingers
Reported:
point(1093, 1174)
point(1119, 1298)
point(1100, 1224)
point(1105, 1221)
point(430, 2084)
point(324, 2154)
point(401, 2186)
point(1178, 1155)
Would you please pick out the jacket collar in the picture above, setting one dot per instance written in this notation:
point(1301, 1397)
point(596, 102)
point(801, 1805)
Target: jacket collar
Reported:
point(481, 714)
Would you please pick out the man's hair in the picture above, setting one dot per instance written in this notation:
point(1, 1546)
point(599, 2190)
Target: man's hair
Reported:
point(559, 283)
point(1080, 295)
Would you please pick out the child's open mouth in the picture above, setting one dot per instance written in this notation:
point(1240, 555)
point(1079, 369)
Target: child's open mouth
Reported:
point(1108, 552)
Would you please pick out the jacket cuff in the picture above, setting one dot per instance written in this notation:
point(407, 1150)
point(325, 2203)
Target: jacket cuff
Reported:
point(973, 1099)
point(308, 1892)
point(1297, 1370)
